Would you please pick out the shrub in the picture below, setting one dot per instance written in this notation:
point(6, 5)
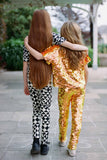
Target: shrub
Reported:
point(54, 30)
point(102, 48)
point(18, 22)
point(11, 54)
point(90, 53)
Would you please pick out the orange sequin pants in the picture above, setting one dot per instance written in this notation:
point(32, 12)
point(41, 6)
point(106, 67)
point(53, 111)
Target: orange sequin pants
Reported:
point(76, 97)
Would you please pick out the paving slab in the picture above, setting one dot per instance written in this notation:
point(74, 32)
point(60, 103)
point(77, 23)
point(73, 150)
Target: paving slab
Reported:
point(16, 117)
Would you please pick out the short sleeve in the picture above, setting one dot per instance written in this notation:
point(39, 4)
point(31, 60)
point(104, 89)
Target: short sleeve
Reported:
point(87, 59)
point(57, 39)
point(25, 54)
point(50, 53)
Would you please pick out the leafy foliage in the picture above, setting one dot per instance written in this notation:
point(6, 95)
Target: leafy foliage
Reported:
point(90, 53)
point(11, 54)
point(3, 1)
point(54, 30)
point(18, 22)
point(102, 48)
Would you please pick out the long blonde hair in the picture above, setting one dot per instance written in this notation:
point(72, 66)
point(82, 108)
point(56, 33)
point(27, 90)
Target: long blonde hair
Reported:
point(40, 37)
point(72, 32)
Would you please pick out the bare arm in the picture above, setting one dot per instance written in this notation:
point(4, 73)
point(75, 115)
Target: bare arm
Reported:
point(58, 40)
point(26, 90)
point(72, 46)
point(33, 52)
point(66, 44)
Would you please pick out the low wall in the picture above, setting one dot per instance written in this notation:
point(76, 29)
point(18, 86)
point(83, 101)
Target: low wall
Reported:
point(103, 59)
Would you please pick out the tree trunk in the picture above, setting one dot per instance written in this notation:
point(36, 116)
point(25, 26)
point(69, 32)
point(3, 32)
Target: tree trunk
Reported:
point(69, 11)
point(91, 27)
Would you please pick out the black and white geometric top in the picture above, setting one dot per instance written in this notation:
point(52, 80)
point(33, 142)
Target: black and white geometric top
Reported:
point(57, 39)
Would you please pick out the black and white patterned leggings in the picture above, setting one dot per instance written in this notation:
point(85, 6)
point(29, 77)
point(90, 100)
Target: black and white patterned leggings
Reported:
point(41, 111)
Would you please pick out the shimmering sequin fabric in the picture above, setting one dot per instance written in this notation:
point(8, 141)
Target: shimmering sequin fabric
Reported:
point(63, 76)
point(76, 98)
point(71, 90)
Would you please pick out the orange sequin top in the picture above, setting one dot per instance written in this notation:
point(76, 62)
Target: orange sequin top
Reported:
point(63, 76)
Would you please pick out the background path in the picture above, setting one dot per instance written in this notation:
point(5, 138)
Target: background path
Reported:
point(16, 114)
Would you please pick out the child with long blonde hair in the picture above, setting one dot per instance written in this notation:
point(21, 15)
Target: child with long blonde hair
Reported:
point(70, 76)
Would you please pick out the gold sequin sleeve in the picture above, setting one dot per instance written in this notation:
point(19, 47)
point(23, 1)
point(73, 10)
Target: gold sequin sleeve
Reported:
point(49, 53)
point(87, 59)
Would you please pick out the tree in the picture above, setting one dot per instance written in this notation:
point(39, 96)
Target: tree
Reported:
point(18, 22)
point(2, 25)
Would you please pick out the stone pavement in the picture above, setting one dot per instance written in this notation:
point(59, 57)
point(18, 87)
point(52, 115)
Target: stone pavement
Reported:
point(16, 114)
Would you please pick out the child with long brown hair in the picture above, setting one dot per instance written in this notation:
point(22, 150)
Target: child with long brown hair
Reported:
point(70, 76)
point(37, 76)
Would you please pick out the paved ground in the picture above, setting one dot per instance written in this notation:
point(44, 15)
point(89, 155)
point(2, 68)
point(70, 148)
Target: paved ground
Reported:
point(15, 121)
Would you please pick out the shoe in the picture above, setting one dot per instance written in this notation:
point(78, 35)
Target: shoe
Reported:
point(71, 153)
point(35, 146)
point(63, 144)
point(44, 149)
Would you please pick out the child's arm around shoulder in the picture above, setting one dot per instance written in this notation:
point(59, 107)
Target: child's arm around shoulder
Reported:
point(58, 40)
point(32, 51)
point(72, 46)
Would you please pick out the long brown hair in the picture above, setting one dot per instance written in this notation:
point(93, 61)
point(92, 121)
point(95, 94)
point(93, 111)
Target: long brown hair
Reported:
point(71, 31)
point(40, 37)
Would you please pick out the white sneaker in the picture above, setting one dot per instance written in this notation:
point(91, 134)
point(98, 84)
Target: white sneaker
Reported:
point(62, 144)
point(71, 153)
